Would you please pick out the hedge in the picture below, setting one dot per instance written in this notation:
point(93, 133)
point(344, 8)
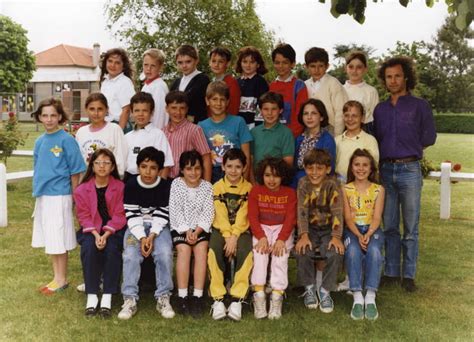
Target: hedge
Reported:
point(454, 123)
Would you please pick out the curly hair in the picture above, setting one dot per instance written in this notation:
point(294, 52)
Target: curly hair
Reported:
point(408, 70)
point(127, 64)
point(255, 54)
point(374, 174)
point(279, 168)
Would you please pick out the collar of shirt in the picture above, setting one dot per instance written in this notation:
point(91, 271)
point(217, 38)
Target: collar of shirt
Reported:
point(230, 185)
point(171, 127)
point(187, 78)
point(115, 79)
point(148, 81)
point(316, 84)
point(357, 137)
point(357, 85)
point(220, 78)
point(148, 186)
point(275, 126)
point(147, 128)
point(248, 77)
point(289, 79)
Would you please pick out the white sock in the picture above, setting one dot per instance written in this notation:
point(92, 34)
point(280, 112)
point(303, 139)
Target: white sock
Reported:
point(198, 293)
point(319, 279)
point(183, 293)
point(370, 297)
point(106, 301)
point(92, 301)
point(358, 297)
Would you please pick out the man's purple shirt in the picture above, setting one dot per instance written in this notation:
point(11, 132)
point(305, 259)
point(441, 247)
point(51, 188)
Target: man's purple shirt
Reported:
point(403, 130)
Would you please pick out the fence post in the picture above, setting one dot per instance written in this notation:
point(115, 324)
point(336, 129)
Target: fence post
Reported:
point(3, 196)
point(445, 191)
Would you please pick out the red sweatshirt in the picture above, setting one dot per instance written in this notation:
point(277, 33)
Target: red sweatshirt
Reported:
point(272, 208)
point(234, 90)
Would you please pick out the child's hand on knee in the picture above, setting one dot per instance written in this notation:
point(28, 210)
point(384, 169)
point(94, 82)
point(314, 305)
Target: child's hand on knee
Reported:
point(337, 244)
point(262, 246)
point(303, 244)
point(279, 248)
point(230, 247)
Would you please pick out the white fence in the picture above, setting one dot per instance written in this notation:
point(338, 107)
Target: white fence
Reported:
point(445, 177)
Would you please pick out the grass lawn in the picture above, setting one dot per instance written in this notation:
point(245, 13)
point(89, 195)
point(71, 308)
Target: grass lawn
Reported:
point(441, 310)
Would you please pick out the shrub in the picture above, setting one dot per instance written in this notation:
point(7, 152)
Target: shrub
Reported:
point(454, 123)
point(10, 137)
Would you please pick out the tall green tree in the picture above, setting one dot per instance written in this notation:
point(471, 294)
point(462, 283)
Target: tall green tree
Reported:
point(17, 63)
point(452, 64)
point(167, 24)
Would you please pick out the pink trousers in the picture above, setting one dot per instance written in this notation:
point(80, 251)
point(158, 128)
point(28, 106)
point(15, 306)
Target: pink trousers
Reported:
point(278, 266)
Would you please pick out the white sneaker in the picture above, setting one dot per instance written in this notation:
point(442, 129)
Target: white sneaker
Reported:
point(164, 307)
point(259, 305)
point(235, 311)
point(276, 303)
point(129, 308)
point(81, 287)
point(344, 285)
point(218, 310)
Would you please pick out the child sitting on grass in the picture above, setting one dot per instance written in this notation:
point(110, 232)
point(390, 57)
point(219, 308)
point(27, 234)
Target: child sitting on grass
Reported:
point(320, 209)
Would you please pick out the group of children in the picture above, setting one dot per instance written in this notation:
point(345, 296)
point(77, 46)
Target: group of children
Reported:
point(227, 193)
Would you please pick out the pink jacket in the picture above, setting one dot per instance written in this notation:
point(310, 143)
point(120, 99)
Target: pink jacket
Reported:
point(85, 198)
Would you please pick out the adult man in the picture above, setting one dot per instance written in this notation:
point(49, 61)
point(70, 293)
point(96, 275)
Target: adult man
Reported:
point(404, 126)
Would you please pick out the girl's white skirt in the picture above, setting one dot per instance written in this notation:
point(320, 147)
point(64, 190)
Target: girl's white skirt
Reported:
point(53, 224)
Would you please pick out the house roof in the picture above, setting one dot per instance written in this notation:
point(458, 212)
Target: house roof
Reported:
point(65, 55)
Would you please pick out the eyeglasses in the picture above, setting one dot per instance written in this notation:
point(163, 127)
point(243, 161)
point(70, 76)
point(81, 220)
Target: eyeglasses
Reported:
point(104, 163)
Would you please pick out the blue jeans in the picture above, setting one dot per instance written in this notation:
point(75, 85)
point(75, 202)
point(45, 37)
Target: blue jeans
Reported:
point(360, 263)
point(132, 258)
point(403, 183)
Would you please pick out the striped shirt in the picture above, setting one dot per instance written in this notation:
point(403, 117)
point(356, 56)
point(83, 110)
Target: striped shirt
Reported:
point(184, 137)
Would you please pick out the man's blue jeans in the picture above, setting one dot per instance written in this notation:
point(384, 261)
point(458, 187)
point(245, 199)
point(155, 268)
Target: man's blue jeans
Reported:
point(132, 258)
point(362, 264)
point(403, 183)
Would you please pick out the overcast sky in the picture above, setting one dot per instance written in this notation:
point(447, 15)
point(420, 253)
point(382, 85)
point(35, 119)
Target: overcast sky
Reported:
point(302, 23)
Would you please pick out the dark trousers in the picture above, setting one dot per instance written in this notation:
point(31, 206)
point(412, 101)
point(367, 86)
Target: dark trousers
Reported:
point(105, 264)
point(306, 272)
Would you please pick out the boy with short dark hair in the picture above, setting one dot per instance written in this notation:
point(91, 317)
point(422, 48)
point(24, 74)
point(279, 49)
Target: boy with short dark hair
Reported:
point(219, 59)
point(230, 237)
point(272, 139)
point(145, 134)
point(183, 135)
point(146, 199)
point(291, 88)
point(320, 215)
point(193, 82)
point(223, 131)
point(325, 87)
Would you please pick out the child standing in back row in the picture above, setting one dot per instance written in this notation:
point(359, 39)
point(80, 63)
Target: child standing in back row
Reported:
point(251, 67)
point(57, 168)
point(272, 216)
point(153, 62)
point(219, 60)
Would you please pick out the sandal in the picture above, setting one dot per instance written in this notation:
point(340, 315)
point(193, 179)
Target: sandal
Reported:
point(52, 288)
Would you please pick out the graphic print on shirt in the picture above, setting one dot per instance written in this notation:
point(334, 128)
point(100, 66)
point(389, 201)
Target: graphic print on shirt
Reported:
point(56, 150)
point(232, 203)
point(220, 144)
point(92, 145)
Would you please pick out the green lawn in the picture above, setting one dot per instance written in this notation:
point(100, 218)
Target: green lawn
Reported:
point(441, 310)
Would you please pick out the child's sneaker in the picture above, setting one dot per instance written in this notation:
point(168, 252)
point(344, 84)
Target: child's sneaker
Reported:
point(218, 310)
point(164, 307)
point(129, 308)
point(343, 285)
point(309, 297)
point(259, 305)
point(81, 287)
point(276, 302)
point(357, 312)
point(182, 305)
point(196, 306)
point(235, 310)
point(371, 312)
point(326, 304)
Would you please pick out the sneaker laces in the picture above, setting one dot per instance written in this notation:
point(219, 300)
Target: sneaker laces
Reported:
point(128, 303)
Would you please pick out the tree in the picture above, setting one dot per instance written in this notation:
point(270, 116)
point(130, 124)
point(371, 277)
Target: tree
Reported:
point(17, 63)
point(167, 24)
point(453, 58)
point(463, 9)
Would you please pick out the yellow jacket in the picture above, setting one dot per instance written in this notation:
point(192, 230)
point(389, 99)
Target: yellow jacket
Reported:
point(231, 205)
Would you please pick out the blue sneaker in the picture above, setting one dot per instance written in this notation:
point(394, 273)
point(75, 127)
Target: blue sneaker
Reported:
point(309, 297)
point(326, 304)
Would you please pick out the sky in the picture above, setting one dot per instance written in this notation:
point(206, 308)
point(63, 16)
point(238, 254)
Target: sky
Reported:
point(302, 23)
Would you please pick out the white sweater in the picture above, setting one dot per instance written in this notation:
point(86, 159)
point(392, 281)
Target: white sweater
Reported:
point(158, 89)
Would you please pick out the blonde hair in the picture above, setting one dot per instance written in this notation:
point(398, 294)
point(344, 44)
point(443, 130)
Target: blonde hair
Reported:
point(156, 54)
